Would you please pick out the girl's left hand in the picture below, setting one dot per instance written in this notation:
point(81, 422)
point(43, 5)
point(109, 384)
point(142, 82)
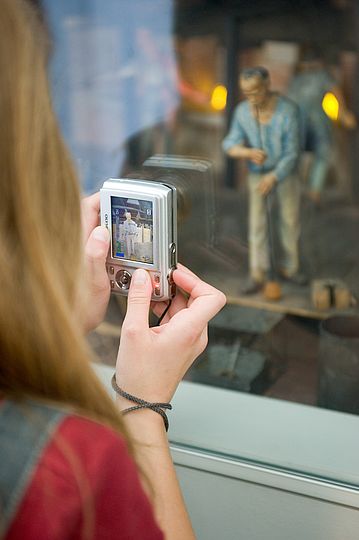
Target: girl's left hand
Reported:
point(96, 245)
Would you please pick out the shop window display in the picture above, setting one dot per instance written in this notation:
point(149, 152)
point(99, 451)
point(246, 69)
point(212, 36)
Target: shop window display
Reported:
point(161, 79)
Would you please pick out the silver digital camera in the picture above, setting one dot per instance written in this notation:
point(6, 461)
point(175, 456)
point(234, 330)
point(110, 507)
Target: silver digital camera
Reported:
point(141, 217)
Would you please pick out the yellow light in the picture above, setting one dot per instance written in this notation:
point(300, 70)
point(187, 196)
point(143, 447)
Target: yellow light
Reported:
point(219, 97)
point(330, 106)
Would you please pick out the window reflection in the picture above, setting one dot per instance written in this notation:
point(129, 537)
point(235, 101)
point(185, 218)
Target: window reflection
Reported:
point(137, 79)
point(114, 78)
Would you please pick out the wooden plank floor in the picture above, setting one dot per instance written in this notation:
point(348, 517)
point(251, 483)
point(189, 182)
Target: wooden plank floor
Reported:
point(295, 300)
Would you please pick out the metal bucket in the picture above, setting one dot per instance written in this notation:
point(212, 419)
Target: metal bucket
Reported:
point(339, 364)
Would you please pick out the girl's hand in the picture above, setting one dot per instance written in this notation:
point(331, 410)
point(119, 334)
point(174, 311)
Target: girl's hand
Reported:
point(96, 243)
point(152, 361)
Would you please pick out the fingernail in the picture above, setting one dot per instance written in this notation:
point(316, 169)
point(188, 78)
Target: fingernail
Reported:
point(102, 234)
point(140, 277)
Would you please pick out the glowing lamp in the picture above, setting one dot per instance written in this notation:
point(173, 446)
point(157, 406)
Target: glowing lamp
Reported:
point(330, 106)
point(219, 98)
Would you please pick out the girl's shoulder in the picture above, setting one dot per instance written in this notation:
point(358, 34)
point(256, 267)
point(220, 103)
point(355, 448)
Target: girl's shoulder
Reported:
point(84, 476)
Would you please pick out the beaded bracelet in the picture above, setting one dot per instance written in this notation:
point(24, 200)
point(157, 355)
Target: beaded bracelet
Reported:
point(141, 403)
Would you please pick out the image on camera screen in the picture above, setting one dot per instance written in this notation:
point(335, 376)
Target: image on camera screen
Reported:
point(132, 229)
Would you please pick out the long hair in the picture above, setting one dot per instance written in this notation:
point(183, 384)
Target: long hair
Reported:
point(43, 353)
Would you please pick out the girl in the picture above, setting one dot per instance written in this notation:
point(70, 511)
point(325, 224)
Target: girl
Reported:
point(72, 466)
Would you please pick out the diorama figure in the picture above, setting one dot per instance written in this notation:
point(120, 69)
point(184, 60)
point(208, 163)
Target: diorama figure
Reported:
point(308, 89)
point(130, 233)
point(265, 132)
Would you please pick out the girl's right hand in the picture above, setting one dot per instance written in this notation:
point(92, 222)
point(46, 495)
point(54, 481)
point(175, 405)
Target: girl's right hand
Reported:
point(152, 361)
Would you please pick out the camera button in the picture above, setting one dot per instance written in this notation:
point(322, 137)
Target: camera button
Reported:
point(170, 276)
point(171, 284)
point(112, 284)
point(173, 254)
point(111, 270)
point(123, 279)
point(157, 278)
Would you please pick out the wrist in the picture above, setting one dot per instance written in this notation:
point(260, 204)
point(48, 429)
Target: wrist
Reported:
point(129, 403)
point(140, 416)
point(272, 177)
point(145, 426)
point(239, 151)
point(246, 153)
point(133, 385)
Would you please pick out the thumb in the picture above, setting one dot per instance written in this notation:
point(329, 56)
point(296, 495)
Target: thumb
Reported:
point(139, 298)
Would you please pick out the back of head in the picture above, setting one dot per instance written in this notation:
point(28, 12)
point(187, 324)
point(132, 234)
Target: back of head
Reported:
point(310, 57)
point(42, 350)
point(259, 72)
point(310, 52)
point(39, 195)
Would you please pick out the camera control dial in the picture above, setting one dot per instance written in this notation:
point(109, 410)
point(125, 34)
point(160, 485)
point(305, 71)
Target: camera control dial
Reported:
point(123, 279)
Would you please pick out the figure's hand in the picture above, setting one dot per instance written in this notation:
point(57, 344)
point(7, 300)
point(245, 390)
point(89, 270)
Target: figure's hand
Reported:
point(267, 183)
point(96, 243)
point(347, 119)
point(257, 156)
point(152, 361)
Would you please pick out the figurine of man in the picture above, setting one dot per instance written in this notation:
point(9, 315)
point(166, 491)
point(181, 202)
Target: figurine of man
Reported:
point(307, 89)
point(265, 133)
point(130, 233)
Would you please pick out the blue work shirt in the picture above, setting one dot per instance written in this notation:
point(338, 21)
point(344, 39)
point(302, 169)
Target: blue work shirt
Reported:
point(130, 227)
point(279, 137)
point(307, 89)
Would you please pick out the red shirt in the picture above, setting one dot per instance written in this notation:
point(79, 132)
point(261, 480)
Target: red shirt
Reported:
point(85, 486)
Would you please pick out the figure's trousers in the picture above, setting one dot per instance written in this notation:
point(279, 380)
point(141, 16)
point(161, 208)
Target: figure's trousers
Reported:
point(130, 245)
point(287, 192)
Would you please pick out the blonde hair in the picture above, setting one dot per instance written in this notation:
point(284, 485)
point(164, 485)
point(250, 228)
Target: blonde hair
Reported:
point(43, 353)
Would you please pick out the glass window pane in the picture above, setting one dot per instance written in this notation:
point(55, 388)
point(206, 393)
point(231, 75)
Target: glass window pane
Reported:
point(252, 110)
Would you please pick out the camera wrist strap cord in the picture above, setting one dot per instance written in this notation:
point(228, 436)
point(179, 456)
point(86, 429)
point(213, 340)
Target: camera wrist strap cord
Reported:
point(141, 403)
point(164, 313)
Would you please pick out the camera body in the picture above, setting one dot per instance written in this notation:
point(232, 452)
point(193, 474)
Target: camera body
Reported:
point(141, 217)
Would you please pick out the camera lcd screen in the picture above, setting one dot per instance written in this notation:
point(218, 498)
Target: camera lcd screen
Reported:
point(132, 229)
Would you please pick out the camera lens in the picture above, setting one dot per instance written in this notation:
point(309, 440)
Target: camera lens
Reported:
point(123, 279)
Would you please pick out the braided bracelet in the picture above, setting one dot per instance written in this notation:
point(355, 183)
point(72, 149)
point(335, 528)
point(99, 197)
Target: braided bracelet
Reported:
point(141, 403)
